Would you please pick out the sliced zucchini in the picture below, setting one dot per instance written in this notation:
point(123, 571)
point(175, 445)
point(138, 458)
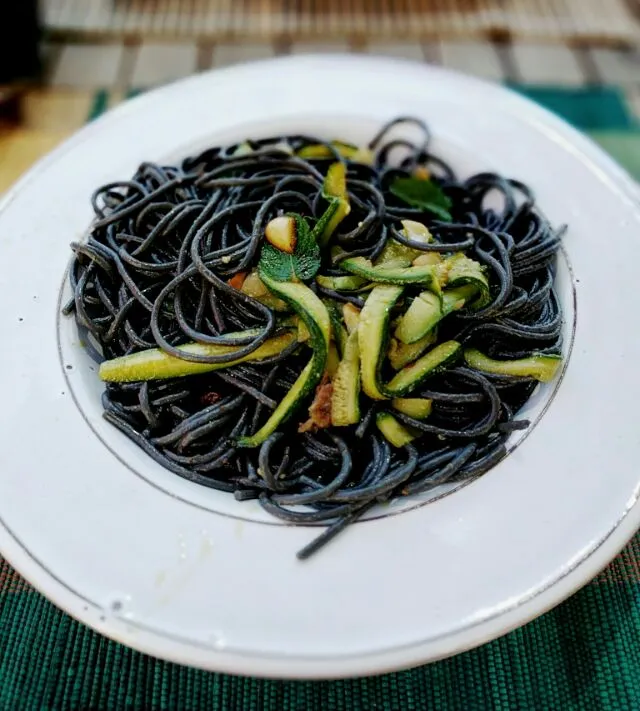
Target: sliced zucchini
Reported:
point(337, 253)
point(155, 364)
point(416, 407)
point(341, 283)
point(395, 433)
point(334, 190)
point(394, 250)
point(372, 337)
point(338, 330)
point(316, 318)
point(433, 362)
point(401, 354)
point(315, 151)
point(455, 299)
point(423, 314)
point(345, 398)
point(462, 271)
point(333, 359)
point(346, 150)
point(363, 155)
point(243, 149)
point(303, 331)
point(319, 151)
point(390, 272)
point(539, 366)
point(427, 310)
point(351, 316)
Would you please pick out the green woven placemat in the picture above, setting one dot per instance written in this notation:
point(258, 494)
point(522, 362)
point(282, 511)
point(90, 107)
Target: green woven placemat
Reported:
point(585, 654)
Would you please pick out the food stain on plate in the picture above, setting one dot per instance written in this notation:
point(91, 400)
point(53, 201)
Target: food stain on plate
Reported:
point(169, 582)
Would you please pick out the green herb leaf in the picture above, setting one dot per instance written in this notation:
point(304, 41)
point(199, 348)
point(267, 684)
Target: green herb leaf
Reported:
point(424, 195)
point(302, 265)
point(306, 255)
point(278, 265)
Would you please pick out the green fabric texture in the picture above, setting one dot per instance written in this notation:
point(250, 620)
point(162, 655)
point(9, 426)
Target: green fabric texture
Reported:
point(590, 108)
point(624, 146)
point(583, 655)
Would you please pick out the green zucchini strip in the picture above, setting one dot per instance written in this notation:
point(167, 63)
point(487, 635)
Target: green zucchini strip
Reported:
point(155, 364)
point(345, 398)
point(397, 434)
point(539, 366)
point(316, 318)
point(436, 360)
point(418, 408)
point(373, 333)
point(390, 272)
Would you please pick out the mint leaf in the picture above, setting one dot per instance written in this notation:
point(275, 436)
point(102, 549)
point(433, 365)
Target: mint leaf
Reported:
point(278, 265)
point(306, 255)
point(302, 265)
point(424, 195)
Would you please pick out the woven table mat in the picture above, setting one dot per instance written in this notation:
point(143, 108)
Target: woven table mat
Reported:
point(584, 655)
point(602, 21)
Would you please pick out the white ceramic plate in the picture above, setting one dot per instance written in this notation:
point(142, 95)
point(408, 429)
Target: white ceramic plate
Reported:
point(191, 575)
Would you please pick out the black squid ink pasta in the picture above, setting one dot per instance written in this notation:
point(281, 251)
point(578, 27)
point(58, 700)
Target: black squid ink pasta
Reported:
point(317, 326)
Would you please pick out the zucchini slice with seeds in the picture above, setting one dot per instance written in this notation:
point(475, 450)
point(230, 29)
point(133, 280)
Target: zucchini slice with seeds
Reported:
point(417, 407)
point(345, 398)
point(316, 318)
point(341, 283)
point(539, 366)
point(398, 435)
point(429, 364)
point(155, 364)
point(427, 310)
point(334, 190)
point(372, 337)
point(462, 271)
point(394, 250)
point(424, 312)
point(318, 151)
point(400, 272)
point(401, 354)
point(333, 360)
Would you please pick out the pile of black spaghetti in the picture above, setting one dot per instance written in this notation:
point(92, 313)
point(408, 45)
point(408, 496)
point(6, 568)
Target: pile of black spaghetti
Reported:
point(169, 260)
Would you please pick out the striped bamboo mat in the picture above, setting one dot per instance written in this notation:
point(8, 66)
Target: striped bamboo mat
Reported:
point(603, 21)
point(596, 88)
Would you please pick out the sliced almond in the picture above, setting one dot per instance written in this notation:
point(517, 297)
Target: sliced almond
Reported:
point(281, 233)
point(426, 259)
point(416, 231)
point(253, 286)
